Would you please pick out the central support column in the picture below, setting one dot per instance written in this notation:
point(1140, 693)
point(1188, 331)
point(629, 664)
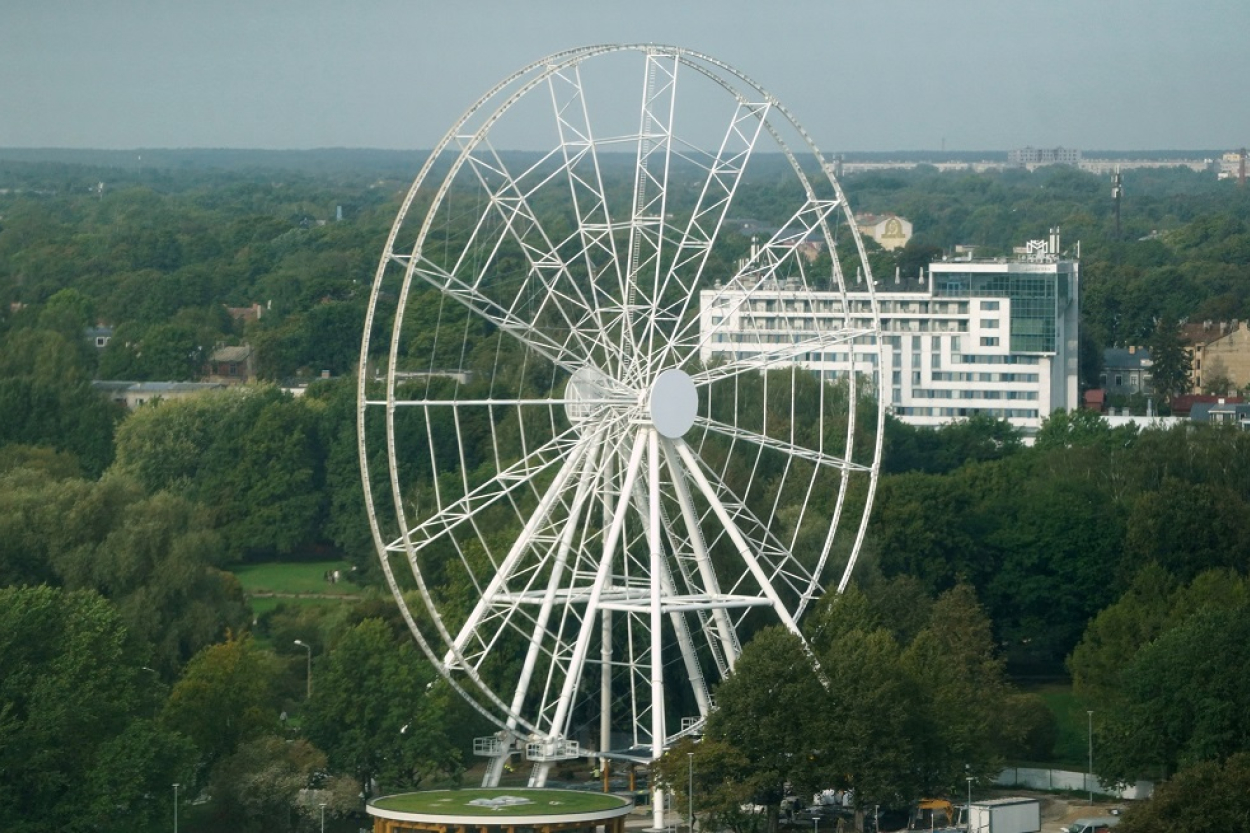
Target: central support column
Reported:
point(657, 624)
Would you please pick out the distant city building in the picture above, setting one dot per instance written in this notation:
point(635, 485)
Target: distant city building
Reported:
point(252, 313)
point(1044, 156)
point(1219, 355)
point(992, 337)
point(1126, 371)
point(1231, 165)
point(135, 394)
point(889, 230)
point(1222, 412)
point(99, 336)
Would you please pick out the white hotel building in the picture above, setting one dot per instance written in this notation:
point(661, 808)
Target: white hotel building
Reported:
point(996, 337)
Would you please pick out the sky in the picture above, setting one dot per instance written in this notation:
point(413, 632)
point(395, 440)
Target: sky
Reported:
point(868, 75)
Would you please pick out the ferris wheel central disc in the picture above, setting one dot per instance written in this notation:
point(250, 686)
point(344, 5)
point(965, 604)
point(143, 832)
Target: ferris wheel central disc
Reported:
point(674, 403)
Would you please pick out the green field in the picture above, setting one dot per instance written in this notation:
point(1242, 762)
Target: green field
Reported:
point(263, 604)
point(456, 802)
point(295, 579)
point(1072, 747)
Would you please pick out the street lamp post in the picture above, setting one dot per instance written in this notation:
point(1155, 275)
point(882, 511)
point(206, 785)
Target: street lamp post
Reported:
point(307, 648)
point(156, 704)
point(968, 812)
point(1090, 773)
point(176, 786)
point(690, 809)
point(323, 818)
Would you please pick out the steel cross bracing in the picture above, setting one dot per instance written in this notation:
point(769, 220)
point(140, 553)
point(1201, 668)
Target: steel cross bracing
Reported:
point(606, 554)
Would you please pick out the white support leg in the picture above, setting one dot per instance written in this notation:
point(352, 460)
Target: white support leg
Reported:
point(657, 621)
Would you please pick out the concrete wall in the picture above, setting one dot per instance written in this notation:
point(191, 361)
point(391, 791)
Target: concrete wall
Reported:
point(1062, 779)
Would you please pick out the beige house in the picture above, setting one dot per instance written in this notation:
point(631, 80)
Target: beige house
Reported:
point(231, 365)
point(889, 230)
point(1220, 351)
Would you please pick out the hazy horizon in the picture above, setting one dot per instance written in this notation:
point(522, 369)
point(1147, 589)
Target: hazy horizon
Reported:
point(978, 75)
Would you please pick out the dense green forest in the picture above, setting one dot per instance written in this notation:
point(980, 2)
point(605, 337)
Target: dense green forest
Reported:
point(128, 651)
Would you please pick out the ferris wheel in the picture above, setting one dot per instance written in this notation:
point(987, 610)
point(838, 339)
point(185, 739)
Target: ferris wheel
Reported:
point(595, 452)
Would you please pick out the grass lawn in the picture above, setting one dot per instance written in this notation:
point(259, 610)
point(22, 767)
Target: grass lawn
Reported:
point(263, 604)
point(1072, 747)
point(542, 801)
point(303, 577)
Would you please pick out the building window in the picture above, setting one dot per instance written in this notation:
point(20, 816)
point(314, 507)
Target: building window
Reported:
point(989, 305)
point(989, 341)
point(989, 323)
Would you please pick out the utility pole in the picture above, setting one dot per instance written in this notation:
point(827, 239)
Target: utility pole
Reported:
point(308, 648)
point(690, 787)
point(1117, 191)
point(1090, 774)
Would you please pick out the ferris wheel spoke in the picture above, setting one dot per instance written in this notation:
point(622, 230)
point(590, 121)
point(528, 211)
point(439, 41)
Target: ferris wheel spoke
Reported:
point(527, 544)
point(776, 560)
point(801, 348)
point(589, 202)
point(516, 477)
point(762, 267)
point(510, 199)
point(506, 319)
point(684, 276)
point(791, 449)
point(650, 197)
point(723, 641)
point(602, 577)
point(746, 552)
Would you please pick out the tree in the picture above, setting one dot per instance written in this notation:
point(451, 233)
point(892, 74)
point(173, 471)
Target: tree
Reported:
point(1170, 361)
point(768, 710)
point(252, 456)
point(966, 690)
point(155, 557)
point(128, 787)
point(393, 729)
point(1188, 527)
point(1058, 538)
point(873, 721)
point(1118, 631)
point(1185, 699)
point(258, 786)
point(1208, 797)
point(227, 696)
point(59, 465)
point(76, 739)
point(726, 786)
point(271, 495)
point(45, 356)
point(1070, 429)
point(66, 416)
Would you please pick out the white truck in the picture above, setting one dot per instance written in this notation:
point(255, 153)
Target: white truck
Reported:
point(1005, 815)
point(1102, 824)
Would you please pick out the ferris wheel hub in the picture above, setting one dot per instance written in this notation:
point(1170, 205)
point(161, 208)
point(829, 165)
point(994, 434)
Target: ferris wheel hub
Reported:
point(674, 403)
point(584, 393)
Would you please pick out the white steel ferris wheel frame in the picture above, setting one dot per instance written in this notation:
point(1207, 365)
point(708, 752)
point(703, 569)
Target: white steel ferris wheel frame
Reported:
point(632, 539)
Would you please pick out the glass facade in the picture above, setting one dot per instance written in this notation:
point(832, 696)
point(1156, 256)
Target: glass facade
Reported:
point(1036, 299)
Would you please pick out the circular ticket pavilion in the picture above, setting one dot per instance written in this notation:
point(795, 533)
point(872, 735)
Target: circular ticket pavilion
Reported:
point(516, 810)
